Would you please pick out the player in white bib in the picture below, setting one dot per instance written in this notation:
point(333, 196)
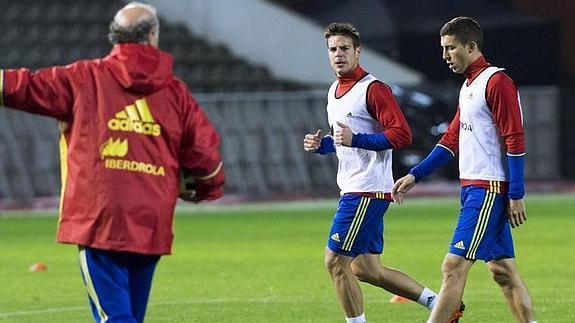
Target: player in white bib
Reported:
point(367, 124)
point(487, 131)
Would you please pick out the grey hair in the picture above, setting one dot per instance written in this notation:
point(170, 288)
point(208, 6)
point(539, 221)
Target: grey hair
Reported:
point(123, 32)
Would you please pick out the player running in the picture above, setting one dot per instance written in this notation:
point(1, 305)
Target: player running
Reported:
point(367, 124)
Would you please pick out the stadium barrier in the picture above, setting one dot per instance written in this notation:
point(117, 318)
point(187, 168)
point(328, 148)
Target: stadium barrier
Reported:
point(261, 143)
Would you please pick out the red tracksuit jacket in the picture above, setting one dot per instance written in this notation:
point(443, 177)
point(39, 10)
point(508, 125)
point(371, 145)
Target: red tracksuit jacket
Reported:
point(131, 126)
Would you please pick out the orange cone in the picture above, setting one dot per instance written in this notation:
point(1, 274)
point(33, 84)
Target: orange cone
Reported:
point(38, 267)
point(398, 299)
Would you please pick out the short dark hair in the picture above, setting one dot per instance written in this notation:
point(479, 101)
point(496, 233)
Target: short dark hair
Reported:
point(344, 29)
point(465, 30)
point(137, 33)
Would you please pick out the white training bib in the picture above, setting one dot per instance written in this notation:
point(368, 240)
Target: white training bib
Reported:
point(481, 150)
point(359, 170)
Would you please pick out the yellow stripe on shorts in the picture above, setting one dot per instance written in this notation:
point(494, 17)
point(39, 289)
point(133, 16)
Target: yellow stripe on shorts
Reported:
point(495, 186)
point(90, 286)
point(356, 223)
point(481, 226)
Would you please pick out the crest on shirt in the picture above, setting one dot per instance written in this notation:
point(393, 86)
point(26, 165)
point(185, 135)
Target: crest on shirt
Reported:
point(349, 115)
point(114, 151)
point(114, 148)
point(470, 96)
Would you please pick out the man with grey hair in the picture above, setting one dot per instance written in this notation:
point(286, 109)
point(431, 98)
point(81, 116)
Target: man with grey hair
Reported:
point(131, 128)
point(135, 23)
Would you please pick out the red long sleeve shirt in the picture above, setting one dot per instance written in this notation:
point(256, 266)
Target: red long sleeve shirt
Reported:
point(502, 100)
point(501, 96)
point(381, 105)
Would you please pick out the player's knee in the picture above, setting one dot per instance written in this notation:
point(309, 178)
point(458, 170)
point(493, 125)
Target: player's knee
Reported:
point(334, 265)
point(452, 270)
point(501, 275)
point(362, 274)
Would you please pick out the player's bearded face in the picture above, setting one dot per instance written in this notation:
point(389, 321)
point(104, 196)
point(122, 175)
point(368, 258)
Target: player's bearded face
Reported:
point(456, 55)
point(343, 56)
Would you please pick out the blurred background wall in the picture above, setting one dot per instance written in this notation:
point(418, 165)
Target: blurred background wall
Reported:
point(260, 70)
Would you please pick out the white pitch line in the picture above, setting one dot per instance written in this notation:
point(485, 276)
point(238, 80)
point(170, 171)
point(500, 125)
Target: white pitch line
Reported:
point(45, 311)
point(264, 300)
point(158, 303)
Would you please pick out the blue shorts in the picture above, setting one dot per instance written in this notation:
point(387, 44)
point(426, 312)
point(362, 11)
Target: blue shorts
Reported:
point(118, 284)
point(357, 226)
point(483, 231)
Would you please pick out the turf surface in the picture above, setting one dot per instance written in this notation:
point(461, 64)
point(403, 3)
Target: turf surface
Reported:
point(264, 263)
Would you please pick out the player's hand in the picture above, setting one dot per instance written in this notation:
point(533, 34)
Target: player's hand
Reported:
point(311, 142)
point(402, 186)
point(189, 196)
point(343, 135)
point(187, 187)
point(516, 212)
point(202, 193)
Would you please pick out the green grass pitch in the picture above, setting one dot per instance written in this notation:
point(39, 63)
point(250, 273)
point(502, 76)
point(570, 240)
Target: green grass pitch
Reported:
point(264, 263)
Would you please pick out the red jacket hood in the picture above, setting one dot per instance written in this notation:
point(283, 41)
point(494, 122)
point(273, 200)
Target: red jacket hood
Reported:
point(140, 69)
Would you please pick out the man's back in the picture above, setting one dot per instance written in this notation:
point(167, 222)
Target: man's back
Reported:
point(130, 127)
point(128, 130)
